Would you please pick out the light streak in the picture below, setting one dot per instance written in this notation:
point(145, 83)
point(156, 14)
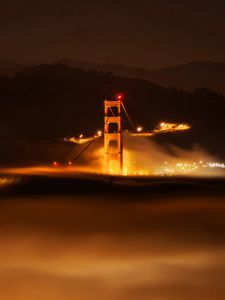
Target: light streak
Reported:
point(171, 127)
point(163, 127)
point(82, 140)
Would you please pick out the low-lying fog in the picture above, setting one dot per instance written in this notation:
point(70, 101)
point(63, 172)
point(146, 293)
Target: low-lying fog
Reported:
point(112, 248)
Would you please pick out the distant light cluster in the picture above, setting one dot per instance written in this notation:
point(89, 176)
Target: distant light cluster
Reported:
point(178, 169)
point(8, 180)
point(215, 165)
point(187, 168)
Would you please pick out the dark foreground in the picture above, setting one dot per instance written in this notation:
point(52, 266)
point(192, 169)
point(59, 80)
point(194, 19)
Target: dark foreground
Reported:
point(107, 239)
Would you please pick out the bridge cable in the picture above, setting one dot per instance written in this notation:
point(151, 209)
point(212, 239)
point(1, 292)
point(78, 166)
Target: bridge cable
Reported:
point(82, 152)
point(128, 117)
point(93, 115)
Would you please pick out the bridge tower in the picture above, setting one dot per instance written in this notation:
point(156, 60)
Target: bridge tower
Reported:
point(113, 145)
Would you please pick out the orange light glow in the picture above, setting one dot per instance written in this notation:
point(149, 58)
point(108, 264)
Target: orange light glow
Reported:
point(139, 129)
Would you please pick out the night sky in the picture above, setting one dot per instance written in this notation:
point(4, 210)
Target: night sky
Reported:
point(146, 33)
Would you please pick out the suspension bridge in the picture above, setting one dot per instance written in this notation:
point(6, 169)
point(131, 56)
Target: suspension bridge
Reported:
point(104, 150)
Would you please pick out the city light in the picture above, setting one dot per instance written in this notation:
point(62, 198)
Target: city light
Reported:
point(139, 129)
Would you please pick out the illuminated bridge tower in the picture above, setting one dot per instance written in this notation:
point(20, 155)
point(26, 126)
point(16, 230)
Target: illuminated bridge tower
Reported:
point(113, 145)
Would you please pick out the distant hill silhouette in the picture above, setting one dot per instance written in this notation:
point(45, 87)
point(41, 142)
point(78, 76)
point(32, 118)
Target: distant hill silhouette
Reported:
point(52, 101)
point(194, 75)
point(191, 76)
point(10, 68)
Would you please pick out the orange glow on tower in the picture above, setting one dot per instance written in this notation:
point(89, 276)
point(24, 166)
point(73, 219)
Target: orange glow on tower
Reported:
point(113, 136)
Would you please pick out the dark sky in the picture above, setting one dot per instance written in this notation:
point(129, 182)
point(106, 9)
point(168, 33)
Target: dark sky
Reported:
point(147, 33)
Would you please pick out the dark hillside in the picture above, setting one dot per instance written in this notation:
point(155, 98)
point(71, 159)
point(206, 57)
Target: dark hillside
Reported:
point(51, 101)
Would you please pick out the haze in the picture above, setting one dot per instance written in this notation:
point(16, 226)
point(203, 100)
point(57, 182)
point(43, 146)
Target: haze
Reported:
point(146, 33)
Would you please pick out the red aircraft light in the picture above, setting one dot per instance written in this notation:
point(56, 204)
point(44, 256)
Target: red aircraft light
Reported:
point(119, 97)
